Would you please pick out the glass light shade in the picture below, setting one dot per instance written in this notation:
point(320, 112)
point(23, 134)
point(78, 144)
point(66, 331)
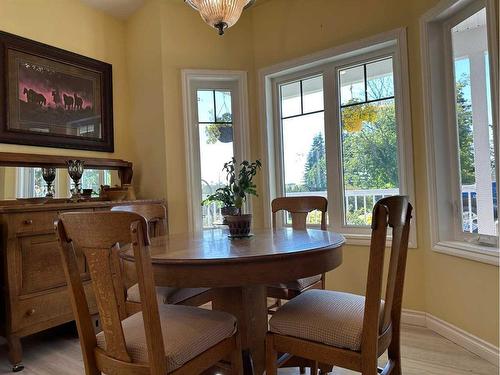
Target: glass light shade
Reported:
point(220, 14)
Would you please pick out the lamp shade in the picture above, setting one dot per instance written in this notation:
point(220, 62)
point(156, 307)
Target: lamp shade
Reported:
point(220, 14)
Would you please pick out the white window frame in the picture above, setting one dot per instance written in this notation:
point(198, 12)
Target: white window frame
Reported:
point(192, 80)
point(392, 43)
point(441, 141)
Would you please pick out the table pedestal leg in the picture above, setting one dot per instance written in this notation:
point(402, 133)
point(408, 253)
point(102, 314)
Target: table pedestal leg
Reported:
point(249, 306)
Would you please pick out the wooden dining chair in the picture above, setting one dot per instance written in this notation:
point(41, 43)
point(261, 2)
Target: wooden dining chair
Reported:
point(161, 339)
point(154, 213)
point(347, 330)
point(299, 208)
point(156, 218)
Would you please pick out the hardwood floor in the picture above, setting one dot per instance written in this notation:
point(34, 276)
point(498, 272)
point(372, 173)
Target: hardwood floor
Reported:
point(57, 351)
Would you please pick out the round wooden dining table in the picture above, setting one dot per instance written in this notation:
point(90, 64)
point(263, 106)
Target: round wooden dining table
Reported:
point(239, 270)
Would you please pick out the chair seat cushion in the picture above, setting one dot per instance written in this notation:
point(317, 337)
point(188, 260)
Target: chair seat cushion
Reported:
point(165, 294)
point(323, 316)
point(299, 284)
point(187, 332)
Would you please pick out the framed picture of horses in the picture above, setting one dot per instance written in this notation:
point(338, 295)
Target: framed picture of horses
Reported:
point(54, 98)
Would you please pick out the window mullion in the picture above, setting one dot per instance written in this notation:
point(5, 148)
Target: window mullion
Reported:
point(365, 83)
point(301, 98)
point(215, 106)
point(333, 148)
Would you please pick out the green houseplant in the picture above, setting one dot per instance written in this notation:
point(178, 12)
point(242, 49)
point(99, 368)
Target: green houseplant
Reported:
point(239, 185)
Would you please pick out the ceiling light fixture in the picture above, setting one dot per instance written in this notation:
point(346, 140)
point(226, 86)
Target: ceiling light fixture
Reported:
point(220, 14)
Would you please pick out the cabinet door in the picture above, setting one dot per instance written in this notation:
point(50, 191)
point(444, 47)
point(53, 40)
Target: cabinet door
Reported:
point(40, 263)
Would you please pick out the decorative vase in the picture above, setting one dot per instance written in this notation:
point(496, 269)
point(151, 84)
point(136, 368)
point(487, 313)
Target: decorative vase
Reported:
point(49, 175)
point(239, 225)
point(75, 171)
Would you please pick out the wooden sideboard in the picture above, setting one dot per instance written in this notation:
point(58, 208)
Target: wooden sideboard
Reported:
point(34, 294)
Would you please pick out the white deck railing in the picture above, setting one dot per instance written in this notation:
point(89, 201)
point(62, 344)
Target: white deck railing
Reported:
point(469, 209)
point(355, 200)
point(361, 201)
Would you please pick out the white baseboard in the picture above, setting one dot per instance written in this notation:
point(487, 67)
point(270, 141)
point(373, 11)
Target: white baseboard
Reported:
point(413, 318)
point(474, 344)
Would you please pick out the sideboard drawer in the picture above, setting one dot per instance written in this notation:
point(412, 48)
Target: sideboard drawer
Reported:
point(40, 309)
point(26, 222)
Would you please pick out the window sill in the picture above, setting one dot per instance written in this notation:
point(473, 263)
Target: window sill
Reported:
point(365, 240)
point(479, 253)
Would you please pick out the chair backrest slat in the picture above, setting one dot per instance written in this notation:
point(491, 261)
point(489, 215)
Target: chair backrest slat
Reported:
point(78, 300)
point(99, 262)
point(299, 208)
point(99, 234)
point(393, 212)
point(150, 313)
point(154, 213)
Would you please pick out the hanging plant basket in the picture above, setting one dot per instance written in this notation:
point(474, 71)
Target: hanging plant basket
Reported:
point(226, 133)
point(219, 132)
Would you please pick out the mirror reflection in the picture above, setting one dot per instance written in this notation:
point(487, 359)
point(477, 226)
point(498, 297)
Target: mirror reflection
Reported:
point(27, 182)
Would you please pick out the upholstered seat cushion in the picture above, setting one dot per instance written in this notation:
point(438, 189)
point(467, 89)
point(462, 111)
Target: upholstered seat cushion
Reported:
point(165, 294)
point(327, 317)
point(187, 332)
point(299, 284)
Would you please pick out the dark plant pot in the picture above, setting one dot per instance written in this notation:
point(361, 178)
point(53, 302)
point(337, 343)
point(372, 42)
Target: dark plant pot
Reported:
point(239, 225)
point(226, 211)
point(226, 133)
point(230, 210)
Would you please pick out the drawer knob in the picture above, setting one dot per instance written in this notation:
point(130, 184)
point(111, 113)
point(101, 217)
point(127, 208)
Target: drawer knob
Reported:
point(30, 312)
point(28, 221)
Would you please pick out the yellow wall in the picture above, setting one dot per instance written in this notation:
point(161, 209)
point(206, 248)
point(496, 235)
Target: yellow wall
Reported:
point(70, 25)
point(7, 188)
point(144, 54)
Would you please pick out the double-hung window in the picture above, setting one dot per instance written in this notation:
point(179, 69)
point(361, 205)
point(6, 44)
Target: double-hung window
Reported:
point(336, 128)
point(462, 48)
point(369, 137)
point(215, 129)
point(302, 132)
point(216, 146)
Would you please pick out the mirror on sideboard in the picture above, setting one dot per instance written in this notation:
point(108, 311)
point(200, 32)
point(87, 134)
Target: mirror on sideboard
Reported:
point(28, 182)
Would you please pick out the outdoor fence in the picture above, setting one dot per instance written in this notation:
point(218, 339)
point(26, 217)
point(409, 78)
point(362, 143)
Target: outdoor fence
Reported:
point(359, 205)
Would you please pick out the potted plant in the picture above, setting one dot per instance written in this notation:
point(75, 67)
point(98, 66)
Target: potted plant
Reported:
point(239, 185)
point(225, 197)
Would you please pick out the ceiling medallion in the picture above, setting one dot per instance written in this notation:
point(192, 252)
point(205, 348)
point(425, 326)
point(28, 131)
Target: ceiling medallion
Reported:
point(220, 14)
